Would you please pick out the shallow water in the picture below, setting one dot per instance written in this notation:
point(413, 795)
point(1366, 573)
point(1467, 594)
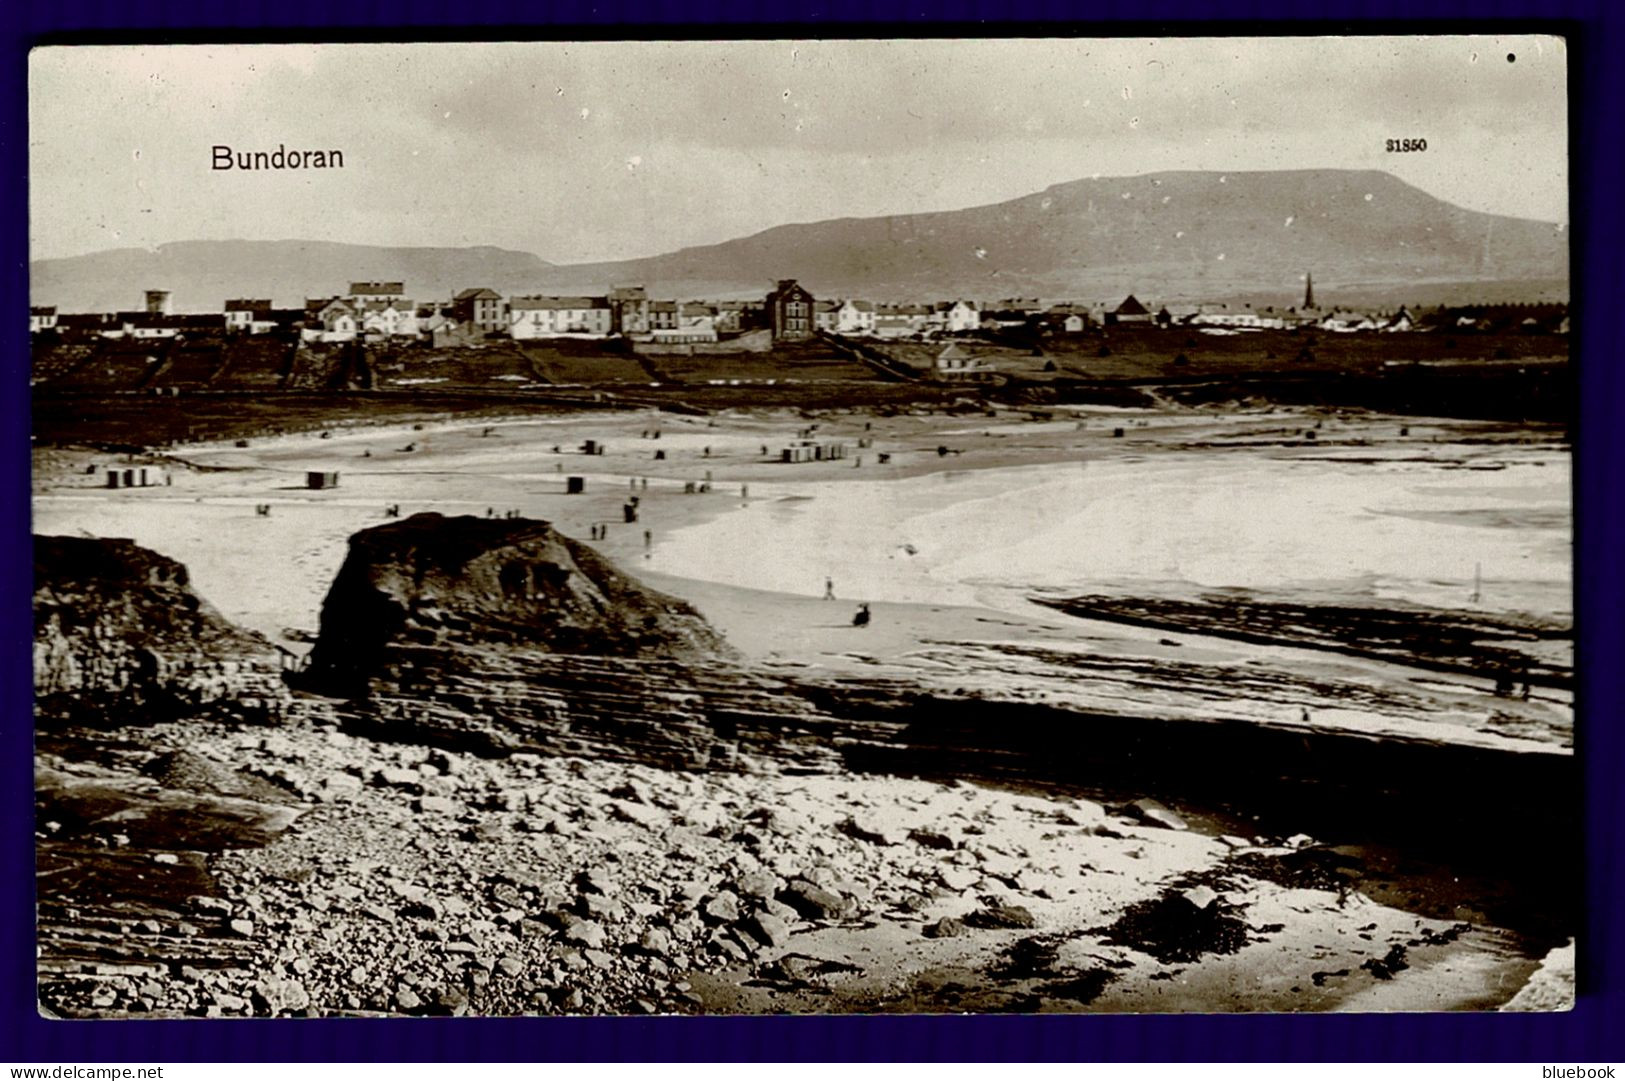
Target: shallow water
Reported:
point(1176, 522)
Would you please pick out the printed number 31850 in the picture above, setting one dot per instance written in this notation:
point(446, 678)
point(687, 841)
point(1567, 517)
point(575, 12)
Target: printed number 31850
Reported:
point(1406, 146)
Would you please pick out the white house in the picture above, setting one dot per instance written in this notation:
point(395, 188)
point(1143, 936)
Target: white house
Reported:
point(959, 316)
point(1241, 320)
point(1346, 322)
point(855, 317)
point(901, 320)
point(692, 328)
point(390, 318)
point(149, 325)
point(240, 315)
point(41, 319)
point(334, 321)
point(1068, 318)
point(559, 317)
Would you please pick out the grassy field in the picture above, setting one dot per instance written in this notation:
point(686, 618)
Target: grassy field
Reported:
point(125, 421)
point(255, 364)
point(1148, 353)
point(111, 394)
point(762, 368)
point(488, 368)
point(1129, 354)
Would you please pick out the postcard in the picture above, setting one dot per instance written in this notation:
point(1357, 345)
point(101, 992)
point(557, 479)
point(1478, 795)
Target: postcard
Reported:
point(803, 526)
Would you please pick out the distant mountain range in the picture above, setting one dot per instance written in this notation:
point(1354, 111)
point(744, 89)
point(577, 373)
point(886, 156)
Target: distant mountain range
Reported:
point(1164, 236)
point(202, 274)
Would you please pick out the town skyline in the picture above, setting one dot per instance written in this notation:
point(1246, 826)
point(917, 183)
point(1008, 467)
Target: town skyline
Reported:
point(556, 150)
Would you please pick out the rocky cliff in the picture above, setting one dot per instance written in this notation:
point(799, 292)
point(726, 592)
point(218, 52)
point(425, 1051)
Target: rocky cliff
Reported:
point(491, 586)
point(119, 636)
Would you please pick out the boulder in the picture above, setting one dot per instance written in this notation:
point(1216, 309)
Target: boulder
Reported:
point(1152, 813)
point(932, 839)
point(394, 777)
point(490, 584)
point(814, 902)
point(583, 933)
point(999, 917)
point(1199, 897)
point(655, 942)
point(720, 908)
point(276, 996)
point(767, 929)
point(760, 885)
point(638, 813)
point(871, 832)
point(421, 908)
point(340, 786)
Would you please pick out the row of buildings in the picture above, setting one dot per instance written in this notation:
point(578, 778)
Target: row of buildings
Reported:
point(382, 310)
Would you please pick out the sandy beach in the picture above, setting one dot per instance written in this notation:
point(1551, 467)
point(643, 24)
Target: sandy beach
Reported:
point(1014, 507)
point(969, 518)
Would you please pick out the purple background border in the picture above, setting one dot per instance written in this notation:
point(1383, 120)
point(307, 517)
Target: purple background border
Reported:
point(1596, 50)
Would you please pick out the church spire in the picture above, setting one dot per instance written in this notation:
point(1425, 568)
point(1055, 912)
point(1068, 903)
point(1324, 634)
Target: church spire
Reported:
point(1308, 291)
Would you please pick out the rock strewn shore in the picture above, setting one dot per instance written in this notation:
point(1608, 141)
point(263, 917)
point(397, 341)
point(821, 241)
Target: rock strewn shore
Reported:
point(422, 881)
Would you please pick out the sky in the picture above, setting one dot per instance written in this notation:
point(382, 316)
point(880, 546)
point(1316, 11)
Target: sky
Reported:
point(612, 150)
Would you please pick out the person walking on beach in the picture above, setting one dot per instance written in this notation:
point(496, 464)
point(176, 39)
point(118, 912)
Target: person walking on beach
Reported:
point(829, 589)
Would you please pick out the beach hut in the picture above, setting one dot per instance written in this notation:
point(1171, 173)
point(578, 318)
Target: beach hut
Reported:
point(575, 485)
point(319, 480)
point(134, 476)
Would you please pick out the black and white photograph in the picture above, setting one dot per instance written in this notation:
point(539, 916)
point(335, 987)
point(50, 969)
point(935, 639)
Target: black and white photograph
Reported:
point(943, 525)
